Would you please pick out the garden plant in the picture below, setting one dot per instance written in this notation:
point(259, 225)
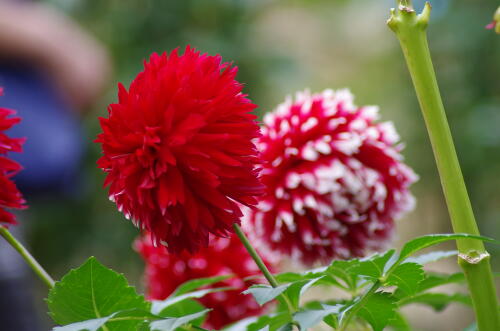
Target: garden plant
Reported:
point(219, 199)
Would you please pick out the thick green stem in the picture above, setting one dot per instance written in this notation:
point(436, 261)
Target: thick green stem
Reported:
point(410, 29)
point(30, 260)
point(262, 266)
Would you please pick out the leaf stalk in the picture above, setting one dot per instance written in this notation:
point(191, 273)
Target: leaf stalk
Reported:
point(262, 266)
point(28, 258)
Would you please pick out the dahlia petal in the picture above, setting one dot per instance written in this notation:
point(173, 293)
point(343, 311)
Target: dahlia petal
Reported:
point(178, 149)
point(335, 179)
point(10, 197)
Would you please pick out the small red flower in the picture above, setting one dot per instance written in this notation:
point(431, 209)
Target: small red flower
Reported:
point(335, 179)
point(165, 272)
point(178, 149)
point(10, 197)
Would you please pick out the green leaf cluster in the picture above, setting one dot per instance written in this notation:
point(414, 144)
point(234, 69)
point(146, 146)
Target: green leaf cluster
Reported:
point(378, 286)
point(93, 297)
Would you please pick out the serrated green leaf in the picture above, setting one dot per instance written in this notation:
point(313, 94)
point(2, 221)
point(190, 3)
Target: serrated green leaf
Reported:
point(438, 301)
point(372, 266)
point(379, 310)
point(195, 284)
point(407, 277)
point(93, 291)
point(340, 269)
point(297, 289)
point(171, 324)
point(311, 317)
point(158, 306)
point(431, 257)
point(265, 293)
point(420, 243)
point(432, 280)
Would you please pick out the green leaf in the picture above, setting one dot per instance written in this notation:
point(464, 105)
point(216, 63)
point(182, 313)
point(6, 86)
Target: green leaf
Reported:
point(241, 324)
point(265, 293)
point(183, 308)
point(297, 289)
point(399, 323)
point(90, 325)
point(286, 327)
point(273, 322)
point(372, 266)
point(340, 269)
point(432, 280)
point(332, 321)
point(195, 284)
point(425, 241)
point(93, 291)
point(170, 324)
point(288, 277)
point(438, 301)
point(431, 257)
point(326, 277)
point(407, 277)
point(136, 315)
point(379, 310)
point(159, 305)
point(311, 317)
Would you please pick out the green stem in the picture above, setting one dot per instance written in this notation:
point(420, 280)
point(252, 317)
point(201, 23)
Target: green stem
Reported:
point(30, 260)
point(262, 266)
point(255, 256)
point(354, 310)
point(410, 29)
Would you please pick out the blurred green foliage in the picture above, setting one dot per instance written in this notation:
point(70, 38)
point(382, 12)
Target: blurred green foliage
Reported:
point(281, 47)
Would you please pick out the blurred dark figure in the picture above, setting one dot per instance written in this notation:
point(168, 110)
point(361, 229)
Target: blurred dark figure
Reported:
point(50, 70)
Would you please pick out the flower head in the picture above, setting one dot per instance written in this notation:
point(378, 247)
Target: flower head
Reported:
point(335, 179)
point(178, 149)
point(10, 197)
point(165, 272)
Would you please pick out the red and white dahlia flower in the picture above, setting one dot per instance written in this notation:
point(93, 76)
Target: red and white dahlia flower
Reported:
point(178, 149)
point(10, 197)
point(335, 179)
point(165, 272)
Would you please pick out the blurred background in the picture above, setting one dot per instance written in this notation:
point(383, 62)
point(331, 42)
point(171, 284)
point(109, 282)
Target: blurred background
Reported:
point(280, 47)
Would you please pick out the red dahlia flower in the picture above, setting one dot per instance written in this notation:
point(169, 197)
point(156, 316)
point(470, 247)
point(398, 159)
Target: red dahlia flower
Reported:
point(335, 179)
point(10, 197)
point(178, 149)
point(165, 272)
